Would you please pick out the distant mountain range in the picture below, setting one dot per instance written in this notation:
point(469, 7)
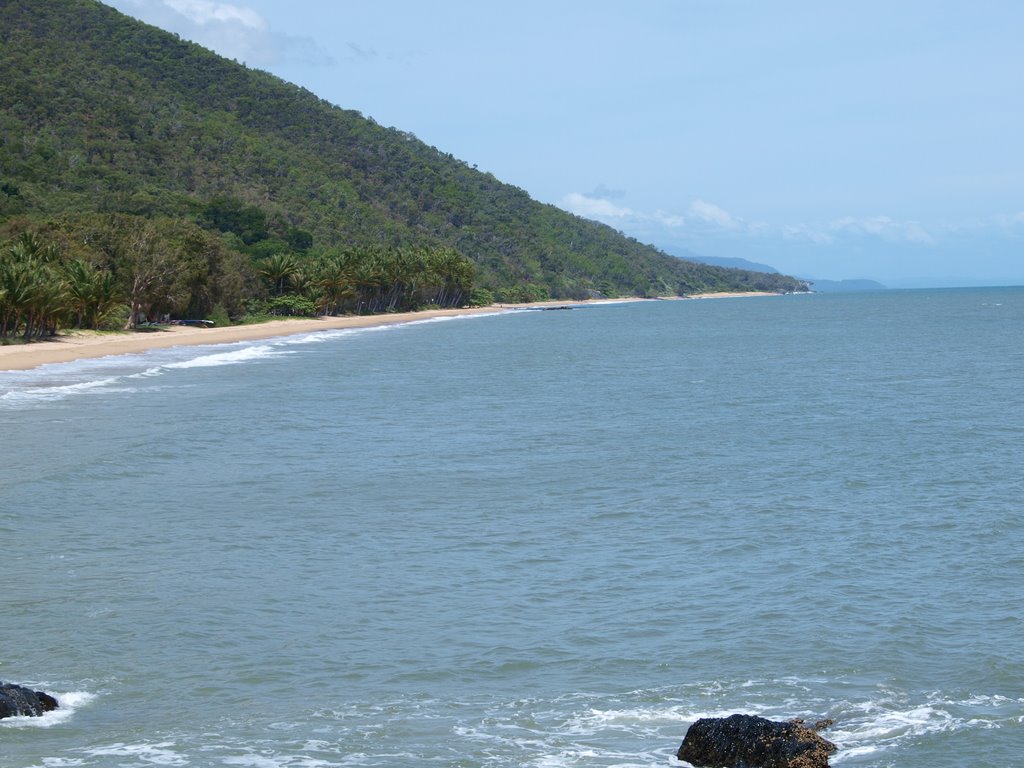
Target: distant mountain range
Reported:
point(731, 263)
point(821, 286)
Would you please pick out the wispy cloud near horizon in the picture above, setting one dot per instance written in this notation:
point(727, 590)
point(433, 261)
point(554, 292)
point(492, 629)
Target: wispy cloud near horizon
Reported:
point(885, 228)
point(709, 213)
point(699, 213)
point(205, 12)
point(703, 219)
point(234, 30)
point(594, 207)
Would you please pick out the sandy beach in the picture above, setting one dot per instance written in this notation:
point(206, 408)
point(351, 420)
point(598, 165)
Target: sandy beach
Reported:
point(76, 345)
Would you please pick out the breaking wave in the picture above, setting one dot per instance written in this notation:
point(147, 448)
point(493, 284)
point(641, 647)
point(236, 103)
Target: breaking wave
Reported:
point(68, 704)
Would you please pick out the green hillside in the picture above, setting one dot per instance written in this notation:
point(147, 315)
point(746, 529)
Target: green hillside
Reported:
point(109, 125)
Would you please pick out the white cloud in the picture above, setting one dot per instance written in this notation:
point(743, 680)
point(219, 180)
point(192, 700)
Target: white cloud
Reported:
point(709, 213)
point(606, 193)
point(702, 219)
point(673, 220)
point(593, 207)
point(700, 215)
point(232, 30)
point(204, 11)
point(883, 227)
point(804, 232)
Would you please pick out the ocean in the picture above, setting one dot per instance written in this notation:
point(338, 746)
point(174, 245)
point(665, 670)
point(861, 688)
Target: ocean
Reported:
point(537, 538)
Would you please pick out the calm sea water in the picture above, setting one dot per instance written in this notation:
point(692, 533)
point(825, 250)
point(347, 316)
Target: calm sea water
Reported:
point(547, 539)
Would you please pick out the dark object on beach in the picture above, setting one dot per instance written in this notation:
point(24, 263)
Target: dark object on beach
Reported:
point(17, 700)
point(748, 741)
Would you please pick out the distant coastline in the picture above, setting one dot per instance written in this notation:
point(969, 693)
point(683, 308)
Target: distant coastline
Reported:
point(79, 345)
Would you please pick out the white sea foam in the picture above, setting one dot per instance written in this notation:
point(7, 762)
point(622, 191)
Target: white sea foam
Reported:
point(156, 370)
point(59, 392)
point(255, 761)
point(110, 375)
point(317, 337)
point(59, 381)
point(882, 723)
point(68, 704)
point(448, 319)
point(595, 720)
point(638, 730)
point(322, 337)
point(879, 725)
point(278, 761)
point(233, 357)
point(161, 753)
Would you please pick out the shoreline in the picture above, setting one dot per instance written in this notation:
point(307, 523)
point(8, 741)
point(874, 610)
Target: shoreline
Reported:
point(79, 345)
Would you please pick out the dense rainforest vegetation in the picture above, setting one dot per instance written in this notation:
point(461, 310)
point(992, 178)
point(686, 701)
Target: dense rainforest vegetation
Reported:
point(172, 181)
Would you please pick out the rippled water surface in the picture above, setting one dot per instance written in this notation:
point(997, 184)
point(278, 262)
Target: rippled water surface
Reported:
point(533, 539)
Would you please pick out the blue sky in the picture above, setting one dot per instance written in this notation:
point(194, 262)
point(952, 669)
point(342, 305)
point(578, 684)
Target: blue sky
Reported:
point(828, 139)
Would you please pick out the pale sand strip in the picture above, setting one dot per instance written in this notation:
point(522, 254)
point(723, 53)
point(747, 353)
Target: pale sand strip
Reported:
point(78, 345)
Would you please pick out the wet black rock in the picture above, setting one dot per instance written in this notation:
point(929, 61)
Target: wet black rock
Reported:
point(748, 741)
point(17, 700)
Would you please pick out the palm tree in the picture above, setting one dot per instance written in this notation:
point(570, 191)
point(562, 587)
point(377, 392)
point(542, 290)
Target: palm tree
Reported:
point(32, 293)
point(92, 293)
point(278, 270)
point(369, 276)
point(336, 282)
point(80, 278)
point(452, 277)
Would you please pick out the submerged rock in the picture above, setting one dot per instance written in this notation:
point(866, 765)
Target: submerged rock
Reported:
point(17, 700)
point(748, 741)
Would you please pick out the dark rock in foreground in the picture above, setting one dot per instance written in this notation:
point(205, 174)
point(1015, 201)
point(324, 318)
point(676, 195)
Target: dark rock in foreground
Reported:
point(748, 741)
point(17, 700)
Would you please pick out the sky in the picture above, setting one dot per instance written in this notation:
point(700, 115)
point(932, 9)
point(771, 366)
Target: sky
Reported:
point(830, 140)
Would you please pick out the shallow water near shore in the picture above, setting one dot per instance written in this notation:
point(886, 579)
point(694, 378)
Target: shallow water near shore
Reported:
point(531, 539)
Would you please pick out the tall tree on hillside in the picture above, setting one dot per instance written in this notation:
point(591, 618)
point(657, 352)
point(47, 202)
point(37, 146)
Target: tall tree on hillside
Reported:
point(154, 272)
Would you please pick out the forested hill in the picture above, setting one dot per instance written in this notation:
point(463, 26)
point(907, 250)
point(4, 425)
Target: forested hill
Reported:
point(102, 115)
